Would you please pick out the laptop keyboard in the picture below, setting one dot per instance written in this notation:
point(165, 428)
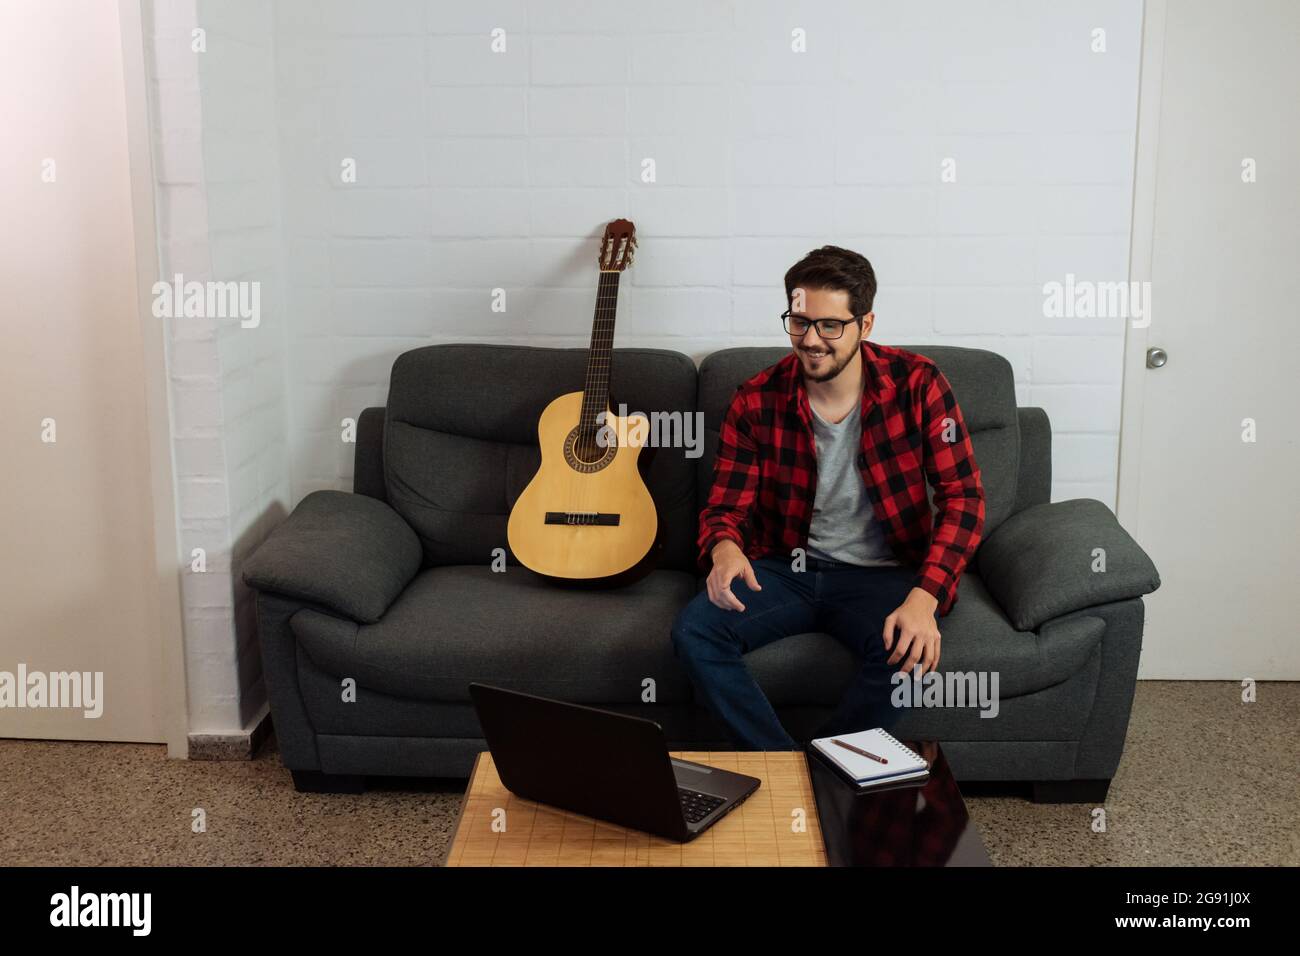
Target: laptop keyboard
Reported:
point(695, 805)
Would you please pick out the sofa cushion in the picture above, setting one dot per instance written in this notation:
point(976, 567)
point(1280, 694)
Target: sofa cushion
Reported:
point(454, 625)
point(982, 381)
point(976, 636)
point(458, 624)
point(460, 440)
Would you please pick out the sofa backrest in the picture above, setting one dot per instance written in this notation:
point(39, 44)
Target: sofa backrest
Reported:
point(460, 439)
point(982, 381)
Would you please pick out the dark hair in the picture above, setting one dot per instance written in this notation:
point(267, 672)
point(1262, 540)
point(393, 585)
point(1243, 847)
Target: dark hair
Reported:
point(831, 267)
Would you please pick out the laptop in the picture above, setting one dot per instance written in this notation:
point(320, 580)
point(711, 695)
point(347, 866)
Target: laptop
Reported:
point(602, 764)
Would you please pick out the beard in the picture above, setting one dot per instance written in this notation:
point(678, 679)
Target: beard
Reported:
point(827, 368)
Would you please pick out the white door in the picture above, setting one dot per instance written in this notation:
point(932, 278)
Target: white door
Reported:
point(88, 555)
point(1210, 445)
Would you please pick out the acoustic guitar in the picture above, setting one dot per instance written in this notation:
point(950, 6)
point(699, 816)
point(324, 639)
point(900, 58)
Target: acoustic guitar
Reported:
point(586, 516)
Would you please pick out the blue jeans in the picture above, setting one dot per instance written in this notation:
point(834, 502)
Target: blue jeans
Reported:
point(847, 602)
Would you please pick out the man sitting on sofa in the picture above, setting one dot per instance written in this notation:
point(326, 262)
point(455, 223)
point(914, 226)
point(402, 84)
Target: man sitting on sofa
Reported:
point(830, 451)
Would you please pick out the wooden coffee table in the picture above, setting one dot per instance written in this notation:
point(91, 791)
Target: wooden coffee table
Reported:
point(762, 831)
point(779, 825)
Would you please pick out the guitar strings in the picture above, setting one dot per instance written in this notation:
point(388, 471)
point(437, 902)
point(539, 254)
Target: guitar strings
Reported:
point(599, 358)
point(597, 387)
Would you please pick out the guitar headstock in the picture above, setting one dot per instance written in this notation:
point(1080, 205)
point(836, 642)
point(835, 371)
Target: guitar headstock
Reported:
point(618, 246)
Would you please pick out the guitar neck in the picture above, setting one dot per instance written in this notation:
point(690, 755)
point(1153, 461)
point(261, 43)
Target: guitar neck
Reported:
point(595, 391)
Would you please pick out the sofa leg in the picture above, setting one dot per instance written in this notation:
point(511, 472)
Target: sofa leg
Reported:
point(1071, 791)
point(313, 781)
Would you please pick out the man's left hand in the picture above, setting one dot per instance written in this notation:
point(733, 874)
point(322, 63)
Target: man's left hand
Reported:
point(917, 640)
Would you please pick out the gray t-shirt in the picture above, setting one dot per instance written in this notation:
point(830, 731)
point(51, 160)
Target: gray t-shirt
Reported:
point(844, 526)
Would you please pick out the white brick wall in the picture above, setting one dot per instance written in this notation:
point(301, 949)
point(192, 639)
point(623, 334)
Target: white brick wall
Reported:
point(219, 212)
point(478, 170)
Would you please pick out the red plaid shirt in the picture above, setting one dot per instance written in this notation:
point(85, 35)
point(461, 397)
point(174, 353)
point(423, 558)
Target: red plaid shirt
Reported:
point(765, 476)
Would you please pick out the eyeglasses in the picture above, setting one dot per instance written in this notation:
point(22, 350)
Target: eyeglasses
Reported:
point(826, 328)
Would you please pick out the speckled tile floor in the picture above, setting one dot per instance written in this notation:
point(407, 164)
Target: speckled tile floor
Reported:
point(1205, 779)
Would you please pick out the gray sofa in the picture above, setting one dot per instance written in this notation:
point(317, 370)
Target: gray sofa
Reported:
point(387, 595)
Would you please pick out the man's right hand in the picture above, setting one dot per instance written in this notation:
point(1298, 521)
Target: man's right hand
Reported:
point(729, 563)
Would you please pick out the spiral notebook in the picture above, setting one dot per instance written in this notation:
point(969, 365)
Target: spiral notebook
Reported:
point(904, 763)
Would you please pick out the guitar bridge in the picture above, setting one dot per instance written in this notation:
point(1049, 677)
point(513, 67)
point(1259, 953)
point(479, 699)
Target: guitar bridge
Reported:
point(580, 517)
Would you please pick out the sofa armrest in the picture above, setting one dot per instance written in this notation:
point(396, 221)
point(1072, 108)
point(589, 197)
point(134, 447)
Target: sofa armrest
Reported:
point(347, 552)
point(1051, 559)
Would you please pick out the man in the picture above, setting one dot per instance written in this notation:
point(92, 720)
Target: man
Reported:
point(830, 451)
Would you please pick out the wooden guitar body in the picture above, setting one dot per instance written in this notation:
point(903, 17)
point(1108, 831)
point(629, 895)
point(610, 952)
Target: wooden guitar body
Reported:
point(587, 514)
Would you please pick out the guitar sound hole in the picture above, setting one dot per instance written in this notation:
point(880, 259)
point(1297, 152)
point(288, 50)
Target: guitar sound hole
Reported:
point(587, 453)
point(584, 454)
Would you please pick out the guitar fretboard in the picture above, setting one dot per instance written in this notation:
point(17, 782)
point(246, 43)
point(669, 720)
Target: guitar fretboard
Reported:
point(595, 390)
